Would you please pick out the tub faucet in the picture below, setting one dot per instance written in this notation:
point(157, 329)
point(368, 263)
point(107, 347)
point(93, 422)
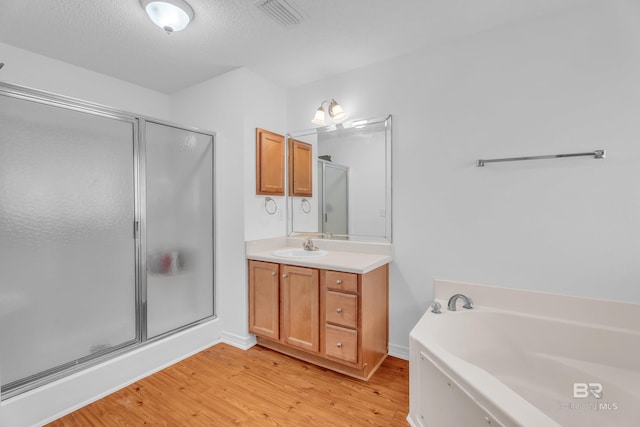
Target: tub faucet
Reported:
point(308, 245)
point(452, 302)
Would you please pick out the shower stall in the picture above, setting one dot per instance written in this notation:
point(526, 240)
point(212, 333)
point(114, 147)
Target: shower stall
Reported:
point(106, 234)
point(333, 202)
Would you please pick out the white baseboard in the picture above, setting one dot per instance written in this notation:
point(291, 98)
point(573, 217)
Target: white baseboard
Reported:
point(399, 351)
point(410, 421)
point(243, 343)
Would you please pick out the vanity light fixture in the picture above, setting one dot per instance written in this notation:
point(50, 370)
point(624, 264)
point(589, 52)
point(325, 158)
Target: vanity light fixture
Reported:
point(170, 15)
point(335, 112)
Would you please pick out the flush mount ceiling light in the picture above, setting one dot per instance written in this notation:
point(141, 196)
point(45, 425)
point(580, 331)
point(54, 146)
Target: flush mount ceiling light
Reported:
point(335, 112)
point(170, 15)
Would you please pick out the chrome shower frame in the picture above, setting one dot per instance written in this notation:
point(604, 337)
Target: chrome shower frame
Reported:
point(138, 230)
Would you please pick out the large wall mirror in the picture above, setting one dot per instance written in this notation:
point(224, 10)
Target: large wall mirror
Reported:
point(351, 182)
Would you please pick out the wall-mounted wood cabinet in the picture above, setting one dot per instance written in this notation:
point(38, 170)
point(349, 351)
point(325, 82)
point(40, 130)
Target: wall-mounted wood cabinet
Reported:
point(269, 163)
point(334, 319)
point(300, 168)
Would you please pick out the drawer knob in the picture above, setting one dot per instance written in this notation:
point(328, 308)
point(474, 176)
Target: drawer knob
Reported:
point(338, 310)
point(339, 345)
point(273, 273)
point(285, 275)
point(339, 282)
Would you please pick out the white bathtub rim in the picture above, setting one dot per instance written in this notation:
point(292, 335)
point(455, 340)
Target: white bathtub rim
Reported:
point(548, 318)
point(484, 389)
point(617, 315)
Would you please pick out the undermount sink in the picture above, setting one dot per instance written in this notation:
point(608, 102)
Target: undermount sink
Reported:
point(299, 253)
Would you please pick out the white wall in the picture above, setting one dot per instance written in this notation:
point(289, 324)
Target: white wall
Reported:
point(40, 72)
point(560, 83)
point(53, 400)
point(233, 105)
point(265, 107)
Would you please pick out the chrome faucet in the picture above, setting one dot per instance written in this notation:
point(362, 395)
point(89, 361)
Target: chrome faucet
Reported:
point(308, 244)
point(452, 302)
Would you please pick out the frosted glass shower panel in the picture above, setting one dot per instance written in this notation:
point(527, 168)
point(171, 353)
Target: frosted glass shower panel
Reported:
point(336, 199)
point(67, 250)
point(179, 227)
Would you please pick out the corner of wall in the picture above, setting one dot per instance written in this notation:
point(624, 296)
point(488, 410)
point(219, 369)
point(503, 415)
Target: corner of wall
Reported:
point(241, 342)
point(36, 71)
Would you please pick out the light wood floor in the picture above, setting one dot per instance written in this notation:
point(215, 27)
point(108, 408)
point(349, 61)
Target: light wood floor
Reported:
point(225, 386)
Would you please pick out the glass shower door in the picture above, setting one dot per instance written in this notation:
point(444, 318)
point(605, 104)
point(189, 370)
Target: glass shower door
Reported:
point(335, 198)
point(178, 227)
point(67, 247)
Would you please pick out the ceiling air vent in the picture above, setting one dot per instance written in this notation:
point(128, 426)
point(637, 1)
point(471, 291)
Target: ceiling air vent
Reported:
point(283, 12)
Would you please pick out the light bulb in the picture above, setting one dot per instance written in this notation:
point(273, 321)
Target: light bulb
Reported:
point(336, 112)
point(170, 15)
point(318, 119)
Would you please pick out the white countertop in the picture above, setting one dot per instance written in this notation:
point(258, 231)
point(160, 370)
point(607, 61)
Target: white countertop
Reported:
point(358, 258)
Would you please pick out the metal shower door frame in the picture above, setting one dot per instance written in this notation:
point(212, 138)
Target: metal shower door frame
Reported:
point(138, 232)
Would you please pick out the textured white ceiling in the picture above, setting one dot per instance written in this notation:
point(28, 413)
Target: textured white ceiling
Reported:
point(116, 38)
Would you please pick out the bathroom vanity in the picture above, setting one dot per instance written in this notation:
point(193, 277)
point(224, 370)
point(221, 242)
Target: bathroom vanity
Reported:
point(329, 307)
point(330, 310)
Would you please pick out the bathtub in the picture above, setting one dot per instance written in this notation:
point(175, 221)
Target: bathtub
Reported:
point(525, 359)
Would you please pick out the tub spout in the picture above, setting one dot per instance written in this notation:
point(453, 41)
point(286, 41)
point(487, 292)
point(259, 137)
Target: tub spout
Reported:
point(452, 302)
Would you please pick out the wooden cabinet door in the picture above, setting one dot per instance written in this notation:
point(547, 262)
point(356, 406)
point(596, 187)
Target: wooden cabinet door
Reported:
point(300, 307)
point(300, 168)
point(264, 299)
point(269, 163)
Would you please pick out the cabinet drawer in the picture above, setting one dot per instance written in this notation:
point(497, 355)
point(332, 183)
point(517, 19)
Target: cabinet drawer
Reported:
point(341, 343)
point(342, 309)
point(340, 281)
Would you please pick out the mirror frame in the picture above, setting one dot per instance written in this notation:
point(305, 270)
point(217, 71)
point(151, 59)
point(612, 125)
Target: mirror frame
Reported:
point(352, 124)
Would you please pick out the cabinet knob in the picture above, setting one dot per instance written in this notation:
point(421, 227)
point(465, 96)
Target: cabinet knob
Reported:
point(285, 275)
point(339, 282)
point(273, 273)
point(338, 310)
point(339, 345)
